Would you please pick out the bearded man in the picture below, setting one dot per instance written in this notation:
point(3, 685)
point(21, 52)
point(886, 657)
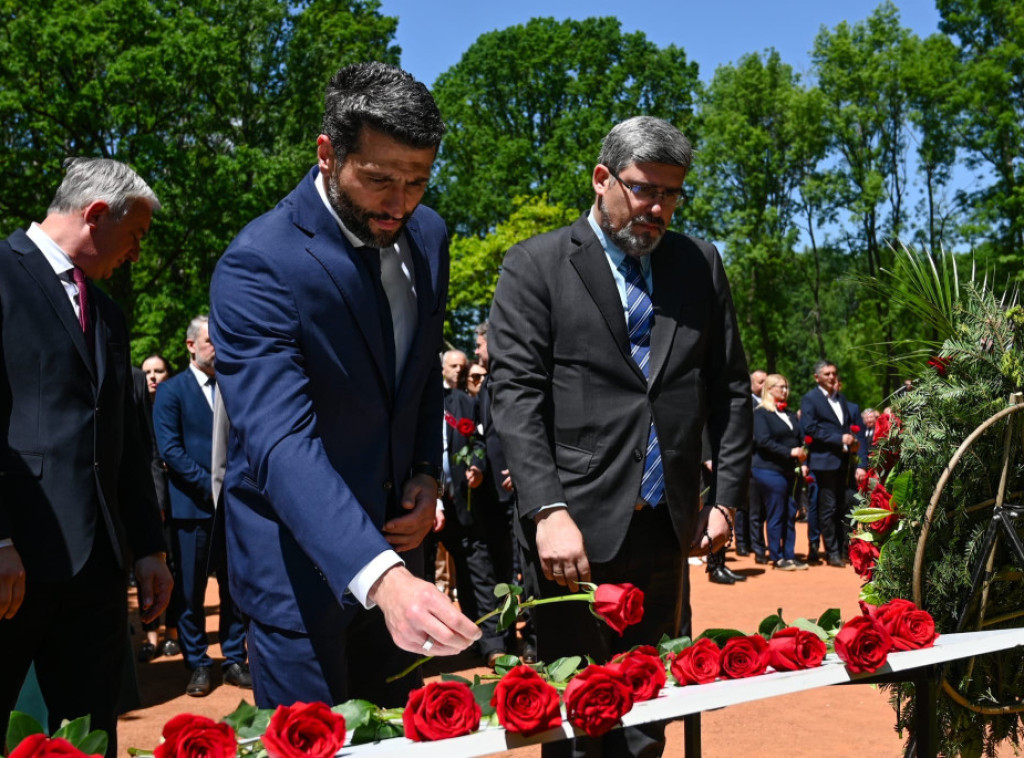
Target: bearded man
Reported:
point(612, 343)
point(327, 316)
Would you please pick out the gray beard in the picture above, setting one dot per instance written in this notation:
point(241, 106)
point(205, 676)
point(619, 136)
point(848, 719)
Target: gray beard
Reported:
point(636, 245)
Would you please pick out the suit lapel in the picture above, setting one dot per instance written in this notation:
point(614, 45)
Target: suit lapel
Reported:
point(667, 299)
point(41, 271)
point(591, 264)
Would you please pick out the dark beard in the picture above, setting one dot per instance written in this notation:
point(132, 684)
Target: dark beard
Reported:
point(357, 219)
point(631, 244)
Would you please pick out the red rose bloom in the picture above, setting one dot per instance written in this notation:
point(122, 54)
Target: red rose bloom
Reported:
point(525, 703)
point(792, 648)
point(41, 746)
point(465, 426)
point(698, 664)
point(745, 656)
point(643, 671)
point(597, 698)
point(189, 736)
point(808, 439)
point(864, 557)
point(880, 498)
point(440, 710)
point(304, 730)
point(910, 627)
point(863, 645)
point(854, 429)
point(620, 605)
point(868, 481)
point(810, 479)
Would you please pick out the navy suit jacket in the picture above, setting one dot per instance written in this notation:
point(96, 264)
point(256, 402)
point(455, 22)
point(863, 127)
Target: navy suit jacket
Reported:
point(71, 458)
point(820, 422)
point(321, 443)
point(183, 424)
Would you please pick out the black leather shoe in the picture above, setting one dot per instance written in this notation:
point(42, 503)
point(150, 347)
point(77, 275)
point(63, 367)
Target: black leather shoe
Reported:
point(719, 576)
point(170, 647)
point(238, 675)
point(735, 577)
point(147, 652)
point(761, 558)
point(813, 557)
point(835, 560)
point(742, 552)
point(199, 684)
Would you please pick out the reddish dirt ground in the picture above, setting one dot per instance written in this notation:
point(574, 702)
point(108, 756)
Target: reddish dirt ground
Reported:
point(853, 721)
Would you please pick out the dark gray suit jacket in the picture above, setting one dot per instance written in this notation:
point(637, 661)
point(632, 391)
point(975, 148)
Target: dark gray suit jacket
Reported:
point(572, 408)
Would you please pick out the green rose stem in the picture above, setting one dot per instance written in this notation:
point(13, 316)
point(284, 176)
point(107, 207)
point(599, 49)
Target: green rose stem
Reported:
point(531, 603)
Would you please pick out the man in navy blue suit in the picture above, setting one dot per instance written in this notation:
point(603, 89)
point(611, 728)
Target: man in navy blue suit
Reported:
point(183, 424)
point(825, 417)
point(327, 317)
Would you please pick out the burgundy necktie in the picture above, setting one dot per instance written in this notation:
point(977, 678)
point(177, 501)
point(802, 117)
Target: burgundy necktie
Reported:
point(83, 299)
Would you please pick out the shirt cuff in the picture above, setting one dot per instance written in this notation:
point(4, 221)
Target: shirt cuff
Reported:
point(550, 507)
point(363, 582)
point(7, 542)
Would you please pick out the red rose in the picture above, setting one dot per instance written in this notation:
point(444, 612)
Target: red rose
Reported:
point(40, 746)
point(880, 498)
point(910, 627)
point(596, 698)
point(810, 479)
point(698, 664)
point(868, 481)
point(808, 439)
point(864, 557)
point(745, 656)
point(190, 736)
point(620, 605)
point(863, 645)
point(440, 710)
point(465, 426)
point(793, 648)
point(781, 405)
point(304, 730)
point(643, 671)
point(854, 429)
point(525, 703)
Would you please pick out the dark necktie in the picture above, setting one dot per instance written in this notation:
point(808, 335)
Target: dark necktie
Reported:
point(211, 382)
point(371, 256)
point(639, 319)
point(78, 276)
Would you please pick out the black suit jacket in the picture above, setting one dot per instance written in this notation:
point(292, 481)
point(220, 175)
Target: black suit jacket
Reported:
point(72, 461)
point(573, 409)
point(461, 406)
point(773, 441)
point(144, 418)
point(491, 491)
point(826, 430)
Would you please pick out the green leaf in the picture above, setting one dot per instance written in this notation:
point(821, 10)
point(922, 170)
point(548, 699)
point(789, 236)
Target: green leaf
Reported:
point(242, 716)
point(563, 668)
point(509, 614)
point(19, 727)
point(94, 743)
point(830, 621)
point(771, 624)
point(386, 730)
point(506, 663)
point(482, 694)
point(667, 645)
point(455, 678)
point(356, 712)
point(899, 488)
point(503, 589)
point(870, 594)
point(73, 731)
point(720, 636)
point(870, 515)
point(810, 626)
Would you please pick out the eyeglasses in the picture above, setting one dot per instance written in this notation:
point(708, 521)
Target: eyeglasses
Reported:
point(779, 387)
point(650, 193)
point(476, 378)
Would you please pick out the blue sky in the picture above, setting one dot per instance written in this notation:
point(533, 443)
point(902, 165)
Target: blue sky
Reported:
point(433, 35)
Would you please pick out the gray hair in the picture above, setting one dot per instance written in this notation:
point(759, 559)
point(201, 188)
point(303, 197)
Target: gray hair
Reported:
point(384, 98)
point(90, 179)
point(481, 329)
point(192, 333)
point(644, 139)
point(821, 364)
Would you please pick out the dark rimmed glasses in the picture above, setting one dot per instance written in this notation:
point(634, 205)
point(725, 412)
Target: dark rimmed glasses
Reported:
point(650, 193)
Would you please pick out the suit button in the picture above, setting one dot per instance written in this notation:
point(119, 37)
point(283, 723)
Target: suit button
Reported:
point(387, 486)
point(637, 455)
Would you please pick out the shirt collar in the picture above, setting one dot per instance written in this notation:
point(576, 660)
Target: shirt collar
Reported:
point(198, 374)
point(826, 393)
point(59, 261)
point(614, 253)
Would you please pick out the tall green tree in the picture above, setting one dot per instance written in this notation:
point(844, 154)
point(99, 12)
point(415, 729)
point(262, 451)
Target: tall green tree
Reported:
point(527, 108)
point(989, 98)
point(214, 102)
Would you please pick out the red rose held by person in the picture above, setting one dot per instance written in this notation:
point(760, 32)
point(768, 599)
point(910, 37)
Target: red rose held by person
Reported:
point(864, 557)
point(745, 656)
point(465, 426)
point(41, 746)
point(440, 710)
point(910, 627)
point(863, 645)
point(597, 698)
point(190, 736)
point(792, 648)
point(304, 730)
point(854, 428)
point(643, 671)
point(698, 664)
point(808, 439)
point(620, 605)
point(525, 703)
